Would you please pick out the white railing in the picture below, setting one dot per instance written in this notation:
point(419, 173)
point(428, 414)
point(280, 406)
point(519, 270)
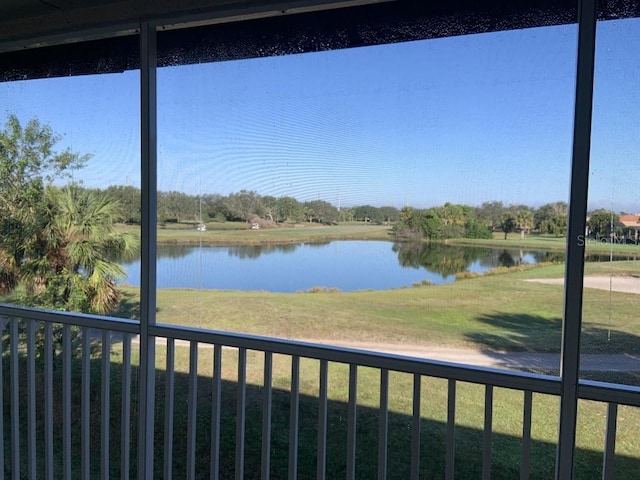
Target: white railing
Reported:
point(72, 415)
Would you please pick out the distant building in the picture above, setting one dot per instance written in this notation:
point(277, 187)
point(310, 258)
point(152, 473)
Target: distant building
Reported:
point(631, 225)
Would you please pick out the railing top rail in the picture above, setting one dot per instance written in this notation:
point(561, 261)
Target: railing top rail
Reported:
point(466, 373)
point(609, 392)
point(71, 318)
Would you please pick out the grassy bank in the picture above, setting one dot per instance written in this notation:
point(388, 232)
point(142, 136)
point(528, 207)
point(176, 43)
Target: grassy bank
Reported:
point(239, 233)
point(495, 312)
point(546, 242)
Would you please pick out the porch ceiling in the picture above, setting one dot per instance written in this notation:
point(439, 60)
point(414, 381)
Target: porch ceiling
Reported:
point(41, 21)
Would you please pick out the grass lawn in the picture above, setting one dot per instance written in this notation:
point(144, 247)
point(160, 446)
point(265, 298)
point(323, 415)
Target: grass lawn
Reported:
point(239, 233)
point(547, 242)
point(499, 312)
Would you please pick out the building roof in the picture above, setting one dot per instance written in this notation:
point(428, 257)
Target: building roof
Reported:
point(630, 220)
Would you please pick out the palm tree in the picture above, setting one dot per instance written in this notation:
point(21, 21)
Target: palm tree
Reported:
point(507, 223)
point(70, 262)
point(524, 219)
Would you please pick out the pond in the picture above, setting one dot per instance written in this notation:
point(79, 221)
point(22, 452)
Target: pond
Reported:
point(343, 265)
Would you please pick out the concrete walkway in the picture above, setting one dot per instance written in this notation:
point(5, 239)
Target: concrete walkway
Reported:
point(616, 283)
point(509, 360)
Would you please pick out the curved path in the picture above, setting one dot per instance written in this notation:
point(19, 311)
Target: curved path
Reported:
point(481, 358)
point(510, 360)
point(615, 283)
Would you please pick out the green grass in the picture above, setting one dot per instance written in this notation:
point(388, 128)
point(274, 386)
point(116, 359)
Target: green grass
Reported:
point(239, 233)
point(547, 242)
point(496, 312)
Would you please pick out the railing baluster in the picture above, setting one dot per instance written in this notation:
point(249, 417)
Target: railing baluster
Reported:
point(608, 467)
point(266, 415)
point(525, 459)
point(31, 398)
point(415, 427)
point(48, 400)
point(352, 421)
point(85, 417)
point(451, 429)
point(66, 401)
point(15, 402)
point(106, 404)
point(216, 389)
point(192, 410)
point(383, 424)
point(169, 399)
point(322, 421)
point(125, 435)
point(3, 323)
point(240, 412)
point(488, 433)
point(294, 409)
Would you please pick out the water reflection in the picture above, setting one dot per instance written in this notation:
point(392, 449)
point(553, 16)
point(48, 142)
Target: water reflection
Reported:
point(448, 259)
point(443, 259)
point(344, 265)
point(255, 251)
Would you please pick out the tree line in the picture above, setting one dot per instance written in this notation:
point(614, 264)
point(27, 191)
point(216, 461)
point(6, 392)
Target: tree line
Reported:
point(447, 221)
point(441, 222)
point(243, 206)
point(465, 221)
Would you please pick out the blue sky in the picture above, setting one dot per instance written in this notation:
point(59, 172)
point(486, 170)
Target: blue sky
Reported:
point(465, 119)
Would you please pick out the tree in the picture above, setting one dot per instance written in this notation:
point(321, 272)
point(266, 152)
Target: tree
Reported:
point(552, 218)
point(389, 214)
point(452, 214)
point(524, 220)
point(56, 243)
point(490, 213)
point(72, 263)
point(507, 223)
point(476, 229)
point(270, 207)
point(177, 207)
point(321, 212)
point(28, 162)
point(129, 198)
point(367, 213)
point(289, 209)
point(600, 222)
point(214, 206)
point(408, 224)
point(346, 215)
point(430, 224)
point(244, 205)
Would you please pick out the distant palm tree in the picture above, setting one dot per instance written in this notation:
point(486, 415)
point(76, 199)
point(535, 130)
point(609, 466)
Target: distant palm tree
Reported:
point(70, 262)
point(524, 219)
point(507, 223)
